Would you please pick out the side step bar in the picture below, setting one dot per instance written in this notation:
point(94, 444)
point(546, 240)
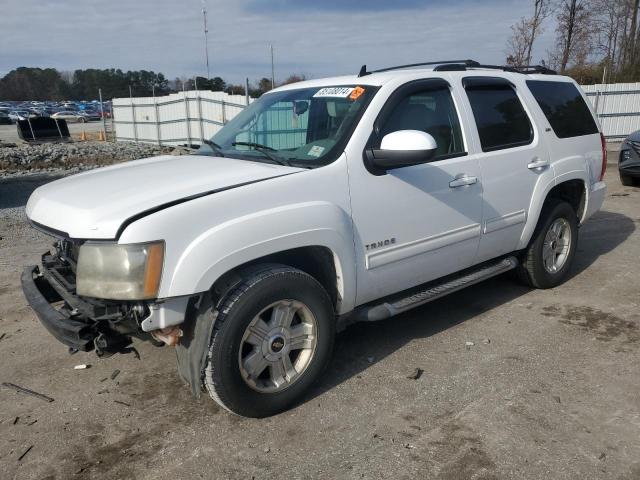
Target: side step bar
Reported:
point(399, 305)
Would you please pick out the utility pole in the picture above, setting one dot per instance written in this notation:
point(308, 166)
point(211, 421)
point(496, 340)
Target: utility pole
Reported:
point(273, 74)
point(206, 38)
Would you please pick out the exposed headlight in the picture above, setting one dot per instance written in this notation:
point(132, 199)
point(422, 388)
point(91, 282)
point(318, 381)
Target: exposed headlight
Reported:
point(120, 272)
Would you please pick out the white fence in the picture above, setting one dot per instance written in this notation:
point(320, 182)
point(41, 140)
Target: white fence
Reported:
point(188, 117)
point(175, 119)
point(617, 106)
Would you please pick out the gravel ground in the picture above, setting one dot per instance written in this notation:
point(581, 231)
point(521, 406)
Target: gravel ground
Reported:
point(55, 156)
point(549, 389)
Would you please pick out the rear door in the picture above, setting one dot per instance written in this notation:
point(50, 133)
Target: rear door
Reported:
point(513, 161)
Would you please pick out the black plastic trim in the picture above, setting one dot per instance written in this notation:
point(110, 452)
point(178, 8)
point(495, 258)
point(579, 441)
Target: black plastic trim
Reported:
point(71, 332)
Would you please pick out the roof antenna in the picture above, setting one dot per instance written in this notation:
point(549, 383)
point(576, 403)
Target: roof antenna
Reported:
point(363, 71)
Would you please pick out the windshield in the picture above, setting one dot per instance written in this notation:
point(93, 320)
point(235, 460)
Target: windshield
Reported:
point(307, 127)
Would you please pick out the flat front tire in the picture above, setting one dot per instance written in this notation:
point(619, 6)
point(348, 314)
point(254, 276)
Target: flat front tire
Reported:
point(548, 258)
point(272, 338)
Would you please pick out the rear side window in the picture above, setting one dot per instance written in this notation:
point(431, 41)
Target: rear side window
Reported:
point(500, 117)
point(564, 107)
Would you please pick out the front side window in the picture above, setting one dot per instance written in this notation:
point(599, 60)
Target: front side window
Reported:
point(306, 127)
point(564, 107)
point(431, 111)
point(500, 117)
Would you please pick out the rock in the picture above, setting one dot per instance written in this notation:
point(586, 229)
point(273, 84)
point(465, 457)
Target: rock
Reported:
point(469, 344)
point(556, 398)
point(416, 374)
point(486, 341)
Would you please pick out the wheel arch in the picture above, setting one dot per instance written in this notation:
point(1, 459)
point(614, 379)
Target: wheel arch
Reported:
point(318, 261)
point(571, 188)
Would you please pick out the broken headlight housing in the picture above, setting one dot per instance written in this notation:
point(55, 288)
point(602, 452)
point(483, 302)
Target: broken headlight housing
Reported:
point(120, 272)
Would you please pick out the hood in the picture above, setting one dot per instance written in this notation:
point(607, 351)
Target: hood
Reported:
point(94, 204)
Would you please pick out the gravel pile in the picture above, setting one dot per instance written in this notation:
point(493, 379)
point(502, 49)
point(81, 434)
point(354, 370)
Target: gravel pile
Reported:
point(62, 156)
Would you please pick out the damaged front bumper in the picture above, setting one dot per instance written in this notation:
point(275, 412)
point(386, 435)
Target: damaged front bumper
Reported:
point(86, 324)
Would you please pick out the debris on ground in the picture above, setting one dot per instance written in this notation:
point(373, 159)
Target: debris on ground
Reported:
point(16, 420)
point(122, 403)
point(115, 374)
point(4, 334)
point(26, 391)
point(602, 456)
point(416, 374)
point(619, 195)
point(486, 341)
point(25, 453)
point(82, 366)
point(469, 344)
point(556, 398)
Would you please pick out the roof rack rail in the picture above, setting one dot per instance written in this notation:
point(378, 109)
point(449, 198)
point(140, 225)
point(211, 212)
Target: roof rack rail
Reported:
point(466, 63)
point(461, 65)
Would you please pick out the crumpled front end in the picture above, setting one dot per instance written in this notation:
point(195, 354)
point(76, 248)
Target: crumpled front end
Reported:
point(85, 324)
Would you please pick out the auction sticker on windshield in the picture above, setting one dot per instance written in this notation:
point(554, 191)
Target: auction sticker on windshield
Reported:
point(339, 92)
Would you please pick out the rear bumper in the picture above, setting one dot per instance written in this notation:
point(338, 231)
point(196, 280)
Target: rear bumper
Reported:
point(73, 332)
point(597, 193)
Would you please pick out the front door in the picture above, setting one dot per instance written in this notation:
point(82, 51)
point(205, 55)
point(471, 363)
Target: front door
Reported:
point(417, 223)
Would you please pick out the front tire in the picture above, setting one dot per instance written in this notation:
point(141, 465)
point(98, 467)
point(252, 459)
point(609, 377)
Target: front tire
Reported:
point(272, 338)
point(548, 258)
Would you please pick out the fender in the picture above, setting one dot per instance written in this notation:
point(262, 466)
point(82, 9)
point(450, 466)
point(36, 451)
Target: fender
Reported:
point(540, 195)
point(218, 249)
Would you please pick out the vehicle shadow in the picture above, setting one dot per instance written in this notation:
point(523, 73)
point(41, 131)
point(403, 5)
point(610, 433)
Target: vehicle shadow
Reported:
point(15, 191)
point(365, 344)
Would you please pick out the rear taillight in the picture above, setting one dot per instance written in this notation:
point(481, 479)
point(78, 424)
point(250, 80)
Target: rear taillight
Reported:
point(603, 141)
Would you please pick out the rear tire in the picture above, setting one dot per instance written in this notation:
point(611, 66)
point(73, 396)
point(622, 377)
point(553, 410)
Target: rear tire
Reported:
point(547, 260)
point(626, 180)
point(272, 338)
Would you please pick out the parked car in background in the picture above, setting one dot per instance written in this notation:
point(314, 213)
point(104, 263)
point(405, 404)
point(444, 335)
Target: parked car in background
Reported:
point(17, 115)
point(70, 116)
point(92, 115)
point(629, 162)
point(4, 118)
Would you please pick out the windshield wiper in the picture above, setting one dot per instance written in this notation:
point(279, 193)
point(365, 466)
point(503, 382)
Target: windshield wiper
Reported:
point(265, 150)
point(214, 146)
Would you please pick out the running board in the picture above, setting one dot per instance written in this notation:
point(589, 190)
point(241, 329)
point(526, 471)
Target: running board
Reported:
point(399, 305)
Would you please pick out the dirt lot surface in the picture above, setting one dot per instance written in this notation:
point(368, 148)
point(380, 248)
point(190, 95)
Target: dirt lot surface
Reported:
point(550, 388)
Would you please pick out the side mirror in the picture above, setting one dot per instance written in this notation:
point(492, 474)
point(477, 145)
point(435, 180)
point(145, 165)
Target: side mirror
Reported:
point(403, 149)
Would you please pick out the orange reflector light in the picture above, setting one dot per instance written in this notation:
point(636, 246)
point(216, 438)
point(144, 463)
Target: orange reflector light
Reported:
point(153, 271)
point(356, 93)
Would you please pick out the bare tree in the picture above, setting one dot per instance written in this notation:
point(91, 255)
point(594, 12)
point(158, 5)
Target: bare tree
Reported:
point(574, 33)
point(525, 32)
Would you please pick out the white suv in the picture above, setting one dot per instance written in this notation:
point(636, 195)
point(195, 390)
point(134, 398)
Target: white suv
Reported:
point(324, 203)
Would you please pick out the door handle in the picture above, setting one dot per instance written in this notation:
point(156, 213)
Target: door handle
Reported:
point(537, 163)
point(463, 181)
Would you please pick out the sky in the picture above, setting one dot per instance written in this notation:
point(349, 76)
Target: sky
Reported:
point(314, 38)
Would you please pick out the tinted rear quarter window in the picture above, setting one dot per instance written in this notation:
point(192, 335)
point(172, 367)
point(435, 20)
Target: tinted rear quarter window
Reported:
point(500, 117)
point(564, 107)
